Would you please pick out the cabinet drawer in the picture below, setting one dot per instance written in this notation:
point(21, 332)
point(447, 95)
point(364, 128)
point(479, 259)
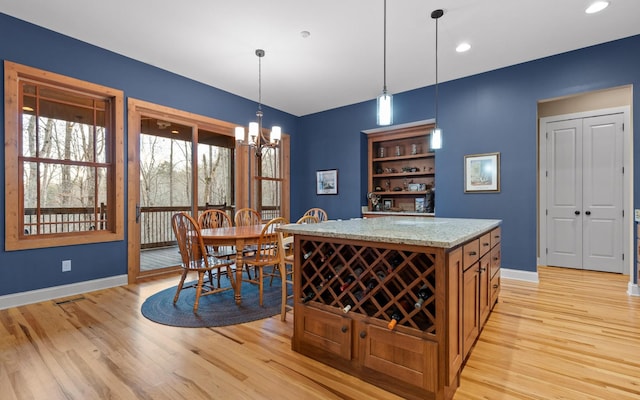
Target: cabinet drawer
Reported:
point(495, 260)
point(485, 243)
point(470, 253)
point(328, 333)
point(402, 357)
point(495, 289)
point(495, 236)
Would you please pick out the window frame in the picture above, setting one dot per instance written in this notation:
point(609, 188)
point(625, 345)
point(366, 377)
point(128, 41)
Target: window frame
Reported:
point(13, 73)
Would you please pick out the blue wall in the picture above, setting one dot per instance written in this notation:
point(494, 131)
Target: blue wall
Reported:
point(490, 112)
point(37, 47)
point(494, 111)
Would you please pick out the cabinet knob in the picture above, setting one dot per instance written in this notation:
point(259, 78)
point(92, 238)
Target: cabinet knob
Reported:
point(576, 212)
point(485, 244)
point(482, 269)
point(496, 286)
point(472, 253)
point(363, 334)
point(344, 329)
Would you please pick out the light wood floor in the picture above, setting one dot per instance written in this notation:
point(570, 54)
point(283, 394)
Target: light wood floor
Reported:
point(575, 335)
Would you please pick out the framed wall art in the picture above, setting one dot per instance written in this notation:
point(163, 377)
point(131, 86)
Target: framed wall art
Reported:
point(482, 172)
point(327, 181)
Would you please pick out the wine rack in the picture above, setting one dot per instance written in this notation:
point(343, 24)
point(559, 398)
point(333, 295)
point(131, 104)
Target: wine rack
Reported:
point(403, 317)
point(376, 282)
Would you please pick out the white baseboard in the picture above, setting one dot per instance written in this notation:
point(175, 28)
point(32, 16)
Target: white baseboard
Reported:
point(55, 292)
point(634, 289)
point(520, 275)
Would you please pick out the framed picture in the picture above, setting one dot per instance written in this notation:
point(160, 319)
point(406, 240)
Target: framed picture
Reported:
point(387, 204)
point(327, 181)
point(482, 172)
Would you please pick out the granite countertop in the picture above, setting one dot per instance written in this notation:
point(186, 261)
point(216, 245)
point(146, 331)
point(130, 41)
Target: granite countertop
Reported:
point(434, 232)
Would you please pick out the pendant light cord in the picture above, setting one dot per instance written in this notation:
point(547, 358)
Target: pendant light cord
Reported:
point(436, 122)
point(384, 63)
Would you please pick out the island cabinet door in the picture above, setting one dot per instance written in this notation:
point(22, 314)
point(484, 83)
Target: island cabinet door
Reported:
point(485, 294)
point(409, 362)
point(322, 335)
point(470, 307)
point(454, 316)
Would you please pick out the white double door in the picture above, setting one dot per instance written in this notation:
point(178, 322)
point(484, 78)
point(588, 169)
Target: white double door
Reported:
point(584, 189)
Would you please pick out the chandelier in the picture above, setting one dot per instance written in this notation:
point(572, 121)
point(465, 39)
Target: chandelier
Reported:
point(255, 138)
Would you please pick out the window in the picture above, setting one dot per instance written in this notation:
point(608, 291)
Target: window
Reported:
point(63, 160)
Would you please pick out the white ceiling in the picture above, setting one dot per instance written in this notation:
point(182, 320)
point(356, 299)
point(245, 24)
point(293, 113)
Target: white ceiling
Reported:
point(341, 62)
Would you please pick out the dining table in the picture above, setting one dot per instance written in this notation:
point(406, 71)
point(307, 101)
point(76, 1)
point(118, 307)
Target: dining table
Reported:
point(238, 236)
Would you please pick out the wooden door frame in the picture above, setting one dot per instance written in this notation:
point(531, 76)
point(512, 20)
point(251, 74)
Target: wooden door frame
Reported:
point(627, 200)
point(137, 108)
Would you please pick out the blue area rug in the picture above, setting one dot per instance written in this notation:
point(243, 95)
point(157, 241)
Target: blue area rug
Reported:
point(219, 309)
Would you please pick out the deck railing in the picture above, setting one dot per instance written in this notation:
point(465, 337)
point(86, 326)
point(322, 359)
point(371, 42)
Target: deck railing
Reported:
point(155, 222)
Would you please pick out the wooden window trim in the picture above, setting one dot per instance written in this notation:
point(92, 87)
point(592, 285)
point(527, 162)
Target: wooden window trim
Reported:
point(13, 241)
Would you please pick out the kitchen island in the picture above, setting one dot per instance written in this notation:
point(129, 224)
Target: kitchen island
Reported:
point(396, 301)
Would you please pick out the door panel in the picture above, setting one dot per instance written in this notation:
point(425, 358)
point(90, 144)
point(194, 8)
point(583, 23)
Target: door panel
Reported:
point(564, 197)
point(602, 201)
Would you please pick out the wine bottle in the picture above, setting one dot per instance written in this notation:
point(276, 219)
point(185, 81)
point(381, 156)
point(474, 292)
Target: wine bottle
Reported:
point(394, 262)
point(358, 295)
point(309, 296)
point(395, 318)
point(423, 294)
point(373, 282)
point(326, 254)
point(350, 279)
point(307, 255)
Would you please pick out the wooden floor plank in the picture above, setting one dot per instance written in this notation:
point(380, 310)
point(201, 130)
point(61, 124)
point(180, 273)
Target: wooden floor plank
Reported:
point(573, 335)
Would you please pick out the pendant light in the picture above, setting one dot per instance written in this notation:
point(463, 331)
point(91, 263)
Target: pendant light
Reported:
point(436, 134)
point(385, 100)
point(256, 138)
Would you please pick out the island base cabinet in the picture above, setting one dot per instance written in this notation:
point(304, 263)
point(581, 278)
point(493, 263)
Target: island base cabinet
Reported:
point(401, 363)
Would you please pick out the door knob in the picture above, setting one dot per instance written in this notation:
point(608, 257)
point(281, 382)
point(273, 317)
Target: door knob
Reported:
point(588, 212)
point(576, 212)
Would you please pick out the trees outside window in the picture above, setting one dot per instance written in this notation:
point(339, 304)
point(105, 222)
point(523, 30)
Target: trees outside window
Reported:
point(63, 161)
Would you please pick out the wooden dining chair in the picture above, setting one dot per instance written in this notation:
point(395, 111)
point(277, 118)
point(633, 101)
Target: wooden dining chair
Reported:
point(216, 218)
point(195, 259)
point(285, 268)
point(318, 213)
point(307, 219)
point(268, 256)
point(247, 216)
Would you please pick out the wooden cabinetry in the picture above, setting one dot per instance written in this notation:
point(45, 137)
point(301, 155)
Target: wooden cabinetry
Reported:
point(348, 291)
point(401, 169)
point(481, 275)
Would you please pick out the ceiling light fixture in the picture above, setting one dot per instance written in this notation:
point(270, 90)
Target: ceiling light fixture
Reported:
point(596, 6)
point(436, 134)
point(385, 100)
point(256, 137)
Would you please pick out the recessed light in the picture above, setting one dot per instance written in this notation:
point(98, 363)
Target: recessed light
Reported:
point(305, 34)
point(596, 6)
point(462, 47)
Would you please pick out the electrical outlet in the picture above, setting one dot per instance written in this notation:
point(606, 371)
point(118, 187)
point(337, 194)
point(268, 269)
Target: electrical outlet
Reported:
point(66, 265)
